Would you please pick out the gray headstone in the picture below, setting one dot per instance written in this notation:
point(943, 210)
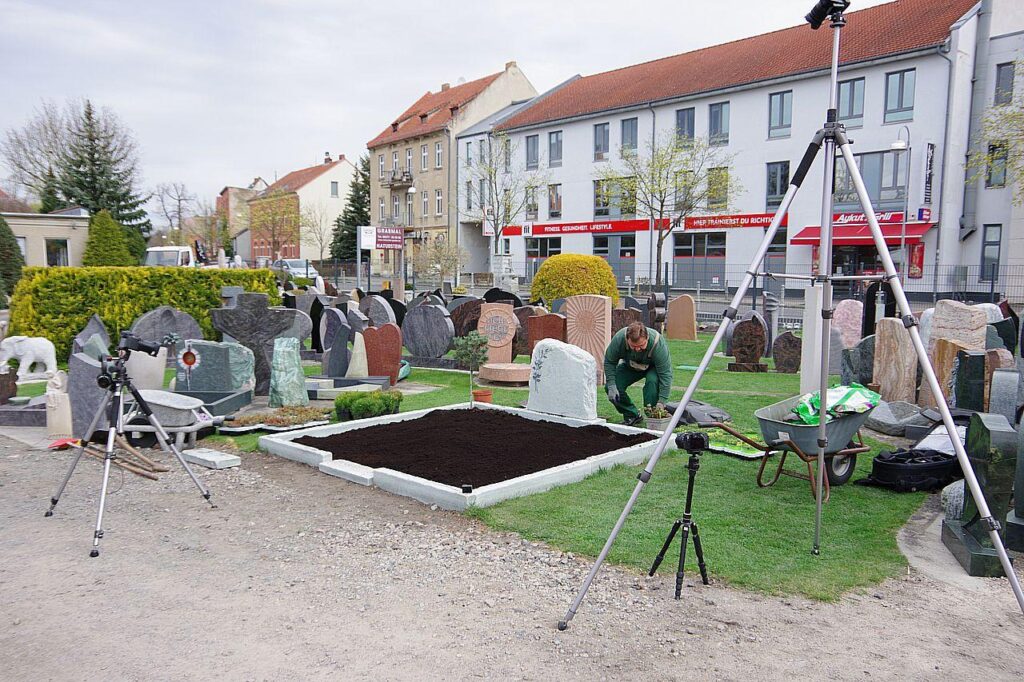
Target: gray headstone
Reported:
point(93, 326)
point(563, 380)
point(556, 305)
point(287, 380)
point(357, 322)
point(222, 367)
point(83, 393)
point(337, 356)
point(331, 319)
point(992, 338)
point(299, 300)
point(95, 347)
point(892, 418)
point(455, 303)
point(377, 309)
point(1003, 394)
point(858, 362)
point(428, 331)
point(159, 322)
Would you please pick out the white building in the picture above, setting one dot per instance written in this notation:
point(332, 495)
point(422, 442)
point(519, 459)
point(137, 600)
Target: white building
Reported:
point(762, 99)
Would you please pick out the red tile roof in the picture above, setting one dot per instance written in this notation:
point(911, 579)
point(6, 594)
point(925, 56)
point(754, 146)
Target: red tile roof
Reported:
point(889, 29)
point(300, 178)
point(437, 107)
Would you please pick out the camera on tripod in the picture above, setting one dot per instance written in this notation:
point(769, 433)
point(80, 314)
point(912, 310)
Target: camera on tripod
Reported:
point(112, 368)
point(821, 11)
point(694, 442)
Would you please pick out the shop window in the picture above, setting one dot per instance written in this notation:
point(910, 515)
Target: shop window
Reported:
point(555, 149)
point(780, 114)
point(627, 246)
point(990, 243)
point(543, 247)
point(601, 246)
point(718, 123)
point(851, 102)
point(778, 183)
point(899, 96)
point(600, 142)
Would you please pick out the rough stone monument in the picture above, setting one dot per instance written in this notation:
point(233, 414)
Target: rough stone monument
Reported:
point(786, 353)
point(857, 362)
point(848, 318)
point(563, 381)
point(287, 381)
point(748, 347)
point(895, 362)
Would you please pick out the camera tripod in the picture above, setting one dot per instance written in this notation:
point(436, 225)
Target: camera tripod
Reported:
point(831, 137)
point(686, 523)
point(115, 379)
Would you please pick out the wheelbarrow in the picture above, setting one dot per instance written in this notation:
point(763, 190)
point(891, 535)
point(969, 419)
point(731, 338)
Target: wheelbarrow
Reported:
point(785, 437)
point(180, 415)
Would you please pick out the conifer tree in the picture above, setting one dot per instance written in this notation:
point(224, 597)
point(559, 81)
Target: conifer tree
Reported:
point(356, 213)
point(49, 198)
point(106, 243)
point(12, 260)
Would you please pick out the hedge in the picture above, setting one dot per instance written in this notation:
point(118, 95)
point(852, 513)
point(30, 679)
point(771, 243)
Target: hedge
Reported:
point(56, 303)
point(573, 274)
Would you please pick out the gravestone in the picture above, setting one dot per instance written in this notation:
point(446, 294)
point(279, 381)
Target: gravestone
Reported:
point(992, 338)
point(999, 358)
point(159, 322)
point(521, 345)
point(93, 326)
point(255, 325)
point(1003, 394)
point(58, 407)
point(330, 321)
point(497, 294)
point(95, 348)
point(924, 325)
point(341, 301)
point(858, 362)
point(993, 313)
point(337, 356)
point(588, 324)
point(466, 316)
point(657, 310)
point(549, 326)
point(399, 310)
point(786, 353)
point(556, 305)
point(563, 381)
point(748, 347)
point(969, 381)
point(848, 318)
point(810, 340)
point(377, 310)
point(8, 384)
point(682, 319)
point(316, 314)
point(958, 322)
point(358, 366)
point(357, 322)
point(287, 380)
point(456, 302)
point(383, 351)
point(895, 362)
point(299, 300)
point(943, 357)
point(85, 396)
point(221, 367)
point(623, 317)
point(992, 450)
point(428, 331)
point(147, 371)
point(867, 327)
point(228, 296)
point(1006, 329)
point(499, 324)
point(756, 316)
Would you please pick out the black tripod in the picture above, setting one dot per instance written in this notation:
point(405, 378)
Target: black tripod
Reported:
point(693, 442)
point(114, 377)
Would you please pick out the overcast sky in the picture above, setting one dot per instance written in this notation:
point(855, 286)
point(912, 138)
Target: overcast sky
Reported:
point(220, 92)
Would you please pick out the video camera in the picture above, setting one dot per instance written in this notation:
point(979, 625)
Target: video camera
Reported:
point(694, 442)
point(112, 367)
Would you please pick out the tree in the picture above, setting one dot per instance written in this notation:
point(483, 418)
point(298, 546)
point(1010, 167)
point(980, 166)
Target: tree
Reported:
point(1000, 158)
point(12, 262)
point(316, 228)
point(35, 150)
point(440, 256)
point(176, 203)
point(500, 189)
point(106, 243)
point(207, 227)
point(356, 213)
point(274, 219)
point(49, 199)
point(672, 179)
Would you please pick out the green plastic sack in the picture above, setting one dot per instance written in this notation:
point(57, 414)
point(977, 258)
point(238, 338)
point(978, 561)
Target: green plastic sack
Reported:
point(852, 399)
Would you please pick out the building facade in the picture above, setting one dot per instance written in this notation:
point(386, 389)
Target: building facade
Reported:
point(411, 171)
point(233, 206)
point(50, 239)
point(905, 98)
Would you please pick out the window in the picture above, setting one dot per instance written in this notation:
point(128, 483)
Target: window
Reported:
point(469, 195)
point(395, 207)
point(425, 207)
point(991, 239)
point(506, 246)
point(629, 134)
point(700, 244)
point(995, 174)
point(408, 159)
point(394, 161)
point(408, 209)
point(21, 245)
point(555, 201)
point(438, 155)
point(1004, 84)
point(684, 192)
point(684, 123)
point(718, 123)
point(627, 246)
point(482, 152)
point(601, 246)
point(600, 142)
point(380, 165)
point(884, 177)
point(469, 153)
point(542, 247)
point(531, 203)
point(334, 189)
point(611, 200)
point(424, 157)
point(899, 96)
point(438, 202)
point(482, 196)
point(851, 102)
point(506, 153)
point(778, 183)
point(601, 199)
point(532, 152)
point(718, 187)
point(56, 252)
point(555, 149)
point(381, 211)
point(780, 114)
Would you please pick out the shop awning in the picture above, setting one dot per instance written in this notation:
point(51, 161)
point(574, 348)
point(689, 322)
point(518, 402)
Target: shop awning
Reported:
point(860, 235)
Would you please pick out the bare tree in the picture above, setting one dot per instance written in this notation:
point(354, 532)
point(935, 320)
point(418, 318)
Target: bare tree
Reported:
point(316, 228)
point(274, 218)
point(441, 257)
point(672, 179)
point(501, 188)
point(176, 203)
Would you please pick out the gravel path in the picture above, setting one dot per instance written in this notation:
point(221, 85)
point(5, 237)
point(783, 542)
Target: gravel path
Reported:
point(301, 576)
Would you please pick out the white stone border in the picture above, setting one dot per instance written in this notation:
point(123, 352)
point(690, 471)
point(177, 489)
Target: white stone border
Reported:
point(447, 496)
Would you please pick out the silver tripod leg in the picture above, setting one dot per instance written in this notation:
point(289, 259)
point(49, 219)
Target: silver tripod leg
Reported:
point(928, 373)
point(666, 437)
point(113, 427)
point(78, 456)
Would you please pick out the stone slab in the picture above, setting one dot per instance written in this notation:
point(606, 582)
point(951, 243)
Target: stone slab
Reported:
point(848, 318)
point(682, 319)
point(211, 459)
point(505, 372)
point(589, 326)
point(895, 362)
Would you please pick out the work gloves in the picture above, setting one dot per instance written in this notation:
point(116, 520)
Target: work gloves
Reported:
point(612, 391)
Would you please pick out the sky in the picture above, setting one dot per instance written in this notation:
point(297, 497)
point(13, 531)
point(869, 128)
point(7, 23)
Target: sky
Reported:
point(220, 92)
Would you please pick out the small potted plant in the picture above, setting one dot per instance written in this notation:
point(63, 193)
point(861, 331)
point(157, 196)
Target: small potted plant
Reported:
point(657, 417)
point(471, 352)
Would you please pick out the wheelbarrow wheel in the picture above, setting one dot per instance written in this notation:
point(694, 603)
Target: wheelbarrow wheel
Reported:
point(140, 439)
point(839, 468)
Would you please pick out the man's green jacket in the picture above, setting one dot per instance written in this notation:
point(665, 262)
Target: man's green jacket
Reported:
point(657, 358)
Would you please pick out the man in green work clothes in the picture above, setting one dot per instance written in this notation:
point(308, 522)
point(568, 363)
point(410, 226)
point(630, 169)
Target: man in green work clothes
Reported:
point(637, 352)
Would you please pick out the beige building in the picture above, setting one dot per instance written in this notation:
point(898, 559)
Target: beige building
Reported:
point(50, 239)
point(412, 169)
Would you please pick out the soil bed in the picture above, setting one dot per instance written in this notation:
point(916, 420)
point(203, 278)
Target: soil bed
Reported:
point(474, 447)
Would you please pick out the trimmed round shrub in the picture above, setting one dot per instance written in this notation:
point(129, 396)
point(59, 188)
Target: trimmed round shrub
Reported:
point(106, 244)
point(573, 274)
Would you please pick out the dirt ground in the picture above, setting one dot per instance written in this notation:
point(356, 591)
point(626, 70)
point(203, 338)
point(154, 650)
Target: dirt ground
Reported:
point(299, 576)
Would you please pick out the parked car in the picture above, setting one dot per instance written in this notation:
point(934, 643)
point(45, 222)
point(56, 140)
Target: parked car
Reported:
point(296, 267)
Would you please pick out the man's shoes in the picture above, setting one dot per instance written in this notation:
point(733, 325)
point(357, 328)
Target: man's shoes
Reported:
point(632, 421)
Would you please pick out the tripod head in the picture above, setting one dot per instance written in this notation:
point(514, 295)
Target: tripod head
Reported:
point(825, 9)
point(112, 369)
point(694, 442)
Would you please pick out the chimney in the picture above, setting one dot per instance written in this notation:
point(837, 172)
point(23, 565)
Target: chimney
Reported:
point(327, 157)
point(394, 127)
point(341, 157)
point(509, 65)
point(453, 109)
point(423, 118)
point(445, 86)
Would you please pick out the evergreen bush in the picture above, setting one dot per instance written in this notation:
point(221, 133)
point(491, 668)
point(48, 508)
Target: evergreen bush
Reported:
point(360, 405)
point(11, 261)
point(573, 274)
point(106, 244)
point(56, 303)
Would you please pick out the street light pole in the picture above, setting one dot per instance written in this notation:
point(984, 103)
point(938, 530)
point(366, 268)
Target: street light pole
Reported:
point(904, 145)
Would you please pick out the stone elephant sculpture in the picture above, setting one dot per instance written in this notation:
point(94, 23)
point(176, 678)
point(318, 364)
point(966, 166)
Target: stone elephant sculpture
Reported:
point(29, 351)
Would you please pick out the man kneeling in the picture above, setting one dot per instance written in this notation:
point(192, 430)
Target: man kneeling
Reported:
point(637, 352)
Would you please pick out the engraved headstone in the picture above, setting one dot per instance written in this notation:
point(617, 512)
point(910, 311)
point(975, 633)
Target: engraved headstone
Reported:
point(563, 381)
point(222, 367)
point(786, 353)
point(748, 347)
point(682, 319)
point(589, 326)
point(287, 380)
point(428, 331)
point(895, 362)
point(550, 326)
point(848, 318)
point(377, 309)
point(499, 324)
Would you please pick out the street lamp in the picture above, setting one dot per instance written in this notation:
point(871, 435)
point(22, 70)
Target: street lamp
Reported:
point(902, 145)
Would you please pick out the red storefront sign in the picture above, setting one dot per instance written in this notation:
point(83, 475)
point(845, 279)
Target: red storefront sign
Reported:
point(706, 222)
point(391, 238)
point(596, 227)
point(858, 218)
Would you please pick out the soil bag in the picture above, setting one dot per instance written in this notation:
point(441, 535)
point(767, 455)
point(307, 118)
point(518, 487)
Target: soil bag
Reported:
point(852, 399)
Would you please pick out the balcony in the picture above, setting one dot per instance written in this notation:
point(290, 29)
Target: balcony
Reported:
point(397, 178)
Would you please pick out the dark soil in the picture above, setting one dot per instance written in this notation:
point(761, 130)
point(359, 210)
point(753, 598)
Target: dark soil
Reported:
point(474, 447)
